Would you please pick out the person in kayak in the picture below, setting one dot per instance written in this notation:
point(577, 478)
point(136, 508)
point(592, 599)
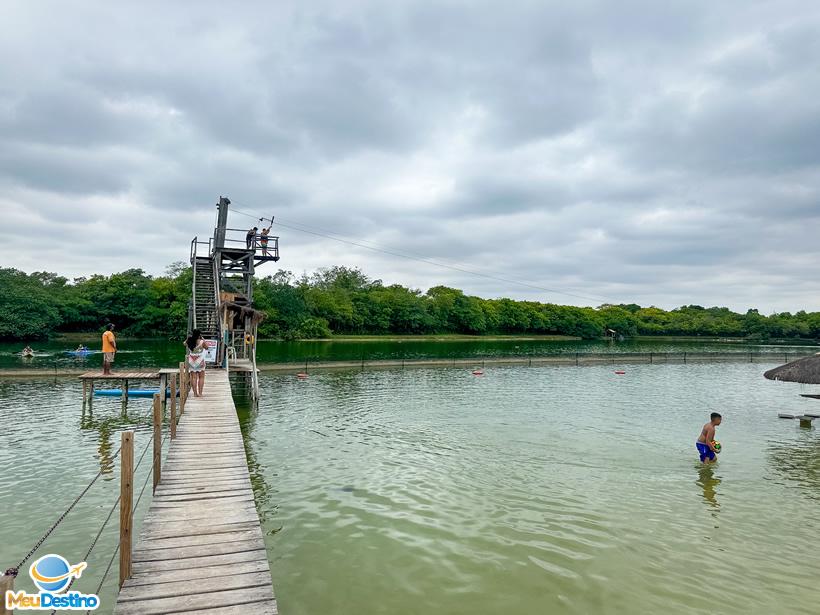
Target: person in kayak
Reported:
point(706, 440)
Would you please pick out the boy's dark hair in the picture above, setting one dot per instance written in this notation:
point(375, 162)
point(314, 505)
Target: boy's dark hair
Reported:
point(715, 415)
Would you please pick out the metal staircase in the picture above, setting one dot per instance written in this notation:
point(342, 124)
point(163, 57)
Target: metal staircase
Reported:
point(221, 304)
point(203, 312)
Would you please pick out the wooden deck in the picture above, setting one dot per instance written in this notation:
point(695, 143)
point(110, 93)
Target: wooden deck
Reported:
point(201, 549)
point(241, 365)
point(134, 375)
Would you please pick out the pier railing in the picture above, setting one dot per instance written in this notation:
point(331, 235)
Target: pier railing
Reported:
point(264, 246)
point(125, 500)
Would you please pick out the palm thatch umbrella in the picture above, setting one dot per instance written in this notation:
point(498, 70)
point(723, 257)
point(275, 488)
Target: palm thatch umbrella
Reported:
point(804, 371)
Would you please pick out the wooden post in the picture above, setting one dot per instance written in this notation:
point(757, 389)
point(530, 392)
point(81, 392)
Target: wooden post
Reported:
point(173, 396)
point(125, 390)
point(172, 418)
point(183, 387)
point(6, 584)
point(85, 399)
point(157, 440)
point(163, 386)
point(90, 390)
point(126, 503)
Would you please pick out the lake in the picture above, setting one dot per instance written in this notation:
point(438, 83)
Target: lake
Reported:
point(526, 490)
point(156, 352)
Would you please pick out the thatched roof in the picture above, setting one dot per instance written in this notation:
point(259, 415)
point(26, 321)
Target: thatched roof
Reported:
point(243, 311)
point(805, 371)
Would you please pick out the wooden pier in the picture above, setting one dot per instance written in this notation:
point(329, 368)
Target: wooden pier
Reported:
point(124, 377)
point(201, 548)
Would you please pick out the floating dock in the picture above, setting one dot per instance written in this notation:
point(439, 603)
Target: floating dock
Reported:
point(201, 547)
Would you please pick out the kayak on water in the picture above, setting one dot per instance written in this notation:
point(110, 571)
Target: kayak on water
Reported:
point(80, 352)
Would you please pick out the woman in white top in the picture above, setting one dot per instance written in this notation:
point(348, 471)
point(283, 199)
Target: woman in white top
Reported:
point(195, 348)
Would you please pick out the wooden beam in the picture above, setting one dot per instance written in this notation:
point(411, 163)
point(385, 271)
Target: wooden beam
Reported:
point(126, 503)
point(157, 466)
point(6, 584)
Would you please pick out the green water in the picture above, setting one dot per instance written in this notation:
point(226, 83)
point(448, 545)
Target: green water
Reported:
point(526, 490)
point(537, 490)
point(152, 353)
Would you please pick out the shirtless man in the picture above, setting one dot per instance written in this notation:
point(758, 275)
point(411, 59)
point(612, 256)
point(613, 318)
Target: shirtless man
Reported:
point(705, 439)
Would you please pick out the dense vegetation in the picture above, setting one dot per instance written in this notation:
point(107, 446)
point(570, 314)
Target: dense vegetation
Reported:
point(343, 300)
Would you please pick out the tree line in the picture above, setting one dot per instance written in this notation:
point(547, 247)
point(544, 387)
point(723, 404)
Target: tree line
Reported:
point(343, 300)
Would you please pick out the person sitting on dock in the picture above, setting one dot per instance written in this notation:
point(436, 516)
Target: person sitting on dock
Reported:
point(195, 348)
point(109, 348)
point(706, 440)
point(250, 238)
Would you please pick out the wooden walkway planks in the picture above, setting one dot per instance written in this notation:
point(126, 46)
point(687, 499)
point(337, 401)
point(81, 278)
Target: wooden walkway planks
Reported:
point(135, 375)
point(201, 548)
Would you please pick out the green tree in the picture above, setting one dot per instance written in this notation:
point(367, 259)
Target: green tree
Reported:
point(27, 309)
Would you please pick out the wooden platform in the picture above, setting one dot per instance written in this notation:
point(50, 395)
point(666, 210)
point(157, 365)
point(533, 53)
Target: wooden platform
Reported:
point(201, 549)
point(164, 375)
point(135, 375)
point(241, 365)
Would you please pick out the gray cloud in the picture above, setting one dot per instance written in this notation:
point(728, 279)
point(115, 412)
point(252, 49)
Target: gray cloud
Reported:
point(662, 153)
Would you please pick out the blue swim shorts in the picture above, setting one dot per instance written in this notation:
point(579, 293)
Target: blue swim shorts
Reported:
point(705, 452)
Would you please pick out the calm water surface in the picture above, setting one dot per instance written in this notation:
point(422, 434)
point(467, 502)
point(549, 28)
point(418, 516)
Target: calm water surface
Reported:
point(153, 353)
point(537, 490)
point(527, 490)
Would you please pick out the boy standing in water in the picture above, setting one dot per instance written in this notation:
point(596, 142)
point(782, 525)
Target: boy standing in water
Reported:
point(705, 439)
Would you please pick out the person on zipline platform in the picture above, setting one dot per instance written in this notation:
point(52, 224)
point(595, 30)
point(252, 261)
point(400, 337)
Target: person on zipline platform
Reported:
point(250, 237)
point(109, 348)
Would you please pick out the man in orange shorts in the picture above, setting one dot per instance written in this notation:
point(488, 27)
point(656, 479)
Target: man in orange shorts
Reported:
point(109, 348)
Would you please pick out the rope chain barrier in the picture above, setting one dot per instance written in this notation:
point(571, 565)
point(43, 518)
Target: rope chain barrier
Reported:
point(93, 544)
point(117, 549)
point(16, 569)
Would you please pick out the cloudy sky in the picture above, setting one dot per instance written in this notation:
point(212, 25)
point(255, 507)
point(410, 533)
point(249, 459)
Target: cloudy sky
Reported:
point(658, 152)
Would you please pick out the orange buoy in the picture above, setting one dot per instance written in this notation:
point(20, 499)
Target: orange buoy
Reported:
point(478, 372)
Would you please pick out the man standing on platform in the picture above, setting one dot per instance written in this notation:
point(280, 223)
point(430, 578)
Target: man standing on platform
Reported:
point(109, 348)
point(250, 238)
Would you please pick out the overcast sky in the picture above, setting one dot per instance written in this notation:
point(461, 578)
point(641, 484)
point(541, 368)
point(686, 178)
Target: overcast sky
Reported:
point(634, 151)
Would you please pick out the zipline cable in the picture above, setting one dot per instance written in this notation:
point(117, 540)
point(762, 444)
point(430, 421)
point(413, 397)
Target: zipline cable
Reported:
point(305, 229)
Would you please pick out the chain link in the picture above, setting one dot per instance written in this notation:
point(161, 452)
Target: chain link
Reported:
point(39, 543)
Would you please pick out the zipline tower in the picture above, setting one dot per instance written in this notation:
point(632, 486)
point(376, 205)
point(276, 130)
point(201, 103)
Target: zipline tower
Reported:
point(222, 292)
